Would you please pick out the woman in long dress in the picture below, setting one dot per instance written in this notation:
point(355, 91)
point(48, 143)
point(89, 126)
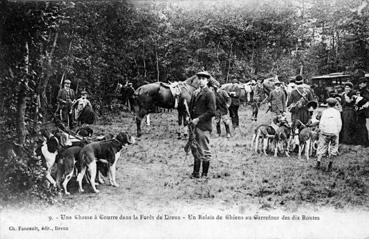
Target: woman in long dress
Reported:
point(348, 114)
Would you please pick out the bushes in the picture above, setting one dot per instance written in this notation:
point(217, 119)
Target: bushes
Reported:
point(22, 177)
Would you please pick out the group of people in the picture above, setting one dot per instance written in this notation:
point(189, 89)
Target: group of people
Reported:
point(69, 108)
point(343, 121)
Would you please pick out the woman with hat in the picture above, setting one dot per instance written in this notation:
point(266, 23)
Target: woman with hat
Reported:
point(348, 114)
point(361, 136)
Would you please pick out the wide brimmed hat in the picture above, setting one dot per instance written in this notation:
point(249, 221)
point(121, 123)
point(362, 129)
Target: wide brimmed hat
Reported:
point(204, 74)
point(313, 104)
point(349, 84)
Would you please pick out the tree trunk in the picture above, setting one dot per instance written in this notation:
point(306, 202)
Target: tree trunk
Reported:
point(157, 65)
point(43, 101)
point(21, 103)
point(229, 64)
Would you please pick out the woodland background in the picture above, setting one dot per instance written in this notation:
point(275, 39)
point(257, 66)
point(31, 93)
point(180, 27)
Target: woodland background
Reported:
point(97, 44)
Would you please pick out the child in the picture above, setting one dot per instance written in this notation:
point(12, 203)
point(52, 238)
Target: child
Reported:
point(330, 126)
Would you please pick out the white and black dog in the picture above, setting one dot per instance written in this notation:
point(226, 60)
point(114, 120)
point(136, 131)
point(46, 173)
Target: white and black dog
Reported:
point(104, 151)
point(52, 144)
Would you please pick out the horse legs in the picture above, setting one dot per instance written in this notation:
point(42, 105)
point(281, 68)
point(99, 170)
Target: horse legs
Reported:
point(139, 117)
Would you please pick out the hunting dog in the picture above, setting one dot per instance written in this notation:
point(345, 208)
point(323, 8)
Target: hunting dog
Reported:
point(103, 151)
point(52, 144)
point(69, 164)
point(49, 149)
point(308, 136)
point(266, 133)
point(281, 138)
point(66, 163)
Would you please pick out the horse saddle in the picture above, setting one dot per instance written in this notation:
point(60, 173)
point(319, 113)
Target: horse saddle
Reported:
point(174, 88)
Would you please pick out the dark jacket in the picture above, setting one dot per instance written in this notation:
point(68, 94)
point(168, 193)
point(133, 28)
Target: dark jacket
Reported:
point(234, 91)
point(277, 100)
point(296, 96)
point(223, 101)
point(65, 98)
point(202, 106)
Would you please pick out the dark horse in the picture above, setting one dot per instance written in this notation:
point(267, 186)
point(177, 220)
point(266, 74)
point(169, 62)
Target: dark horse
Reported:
point(149, 96)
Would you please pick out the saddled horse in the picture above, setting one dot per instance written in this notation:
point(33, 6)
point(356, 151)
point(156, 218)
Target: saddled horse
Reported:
point(242, 90)
point(160, 94)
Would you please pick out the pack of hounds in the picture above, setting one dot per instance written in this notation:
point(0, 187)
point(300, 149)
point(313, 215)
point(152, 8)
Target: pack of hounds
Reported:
point(280, 137)
point(74, 155)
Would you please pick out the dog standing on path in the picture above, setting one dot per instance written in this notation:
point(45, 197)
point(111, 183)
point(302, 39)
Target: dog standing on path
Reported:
point(104, 151)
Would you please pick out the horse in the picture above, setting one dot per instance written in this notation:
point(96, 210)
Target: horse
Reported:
point(160, 94)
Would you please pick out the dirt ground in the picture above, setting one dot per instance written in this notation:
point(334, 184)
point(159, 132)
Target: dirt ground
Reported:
point(155, 174)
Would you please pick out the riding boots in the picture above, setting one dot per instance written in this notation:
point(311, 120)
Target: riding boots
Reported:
point(196, 169)
point(205, 168)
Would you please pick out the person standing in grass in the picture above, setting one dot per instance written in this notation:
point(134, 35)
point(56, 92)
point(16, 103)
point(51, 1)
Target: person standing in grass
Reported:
point(277, 99)
point(202, 109)
point(330, 126)
point(223, 101)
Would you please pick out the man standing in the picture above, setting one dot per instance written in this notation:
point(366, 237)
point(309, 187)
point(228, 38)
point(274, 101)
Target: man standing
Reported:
point(223, 101)
point(234, 92)
point(202, 108)
point(297, 103)
point(258, 97)
point(277, 99)
point(65, 99)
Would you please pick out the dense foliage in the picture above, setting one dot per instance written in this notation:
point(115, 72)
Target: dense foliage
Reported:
point(97, 44)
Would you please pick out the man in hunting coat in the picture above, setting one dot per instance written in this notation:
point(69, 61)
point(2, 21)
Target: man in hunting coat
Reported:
point(277, 99)
point(202, 109)
point(65, 98)
point(223, 101)
point(297, 103)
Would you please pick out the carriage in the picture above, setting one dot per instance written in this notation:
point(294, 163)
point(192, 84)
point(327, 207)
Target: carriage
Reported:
point(330, 85)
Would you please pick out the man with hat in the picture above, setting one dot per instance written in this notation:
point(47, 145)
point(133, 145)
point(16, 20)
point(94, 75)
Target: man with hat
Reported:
point(234, 92)
point(223, 101)
point(257, 98)
point(65, 98)
point(297, 102)
point(277, 99)
point(330, 126)
point(202, 108)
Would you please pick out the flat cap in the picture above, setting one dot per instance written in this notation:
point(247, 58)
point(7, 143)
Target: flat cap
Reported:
point(299, 80)
point(313, 104)
point(277, 82)
point(204, 74)
point(66, 81)
point(331, 101)
point(84, 92)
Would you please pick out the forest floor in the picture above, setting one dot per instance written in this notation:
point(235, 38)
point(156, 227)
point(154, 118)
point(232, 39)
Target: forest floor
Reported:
point(154, 174)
